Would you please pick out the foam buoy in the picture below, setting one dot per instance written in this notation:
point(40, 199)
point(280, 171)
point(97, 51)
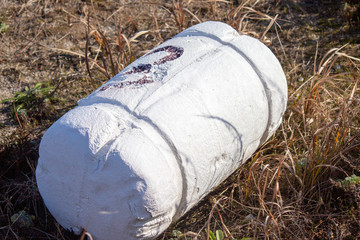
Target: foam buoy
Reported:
point(149, 144)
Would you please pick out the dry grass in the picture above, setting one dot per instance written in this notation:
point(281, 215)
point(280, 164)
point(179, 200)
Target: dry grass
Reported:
point(293, 187)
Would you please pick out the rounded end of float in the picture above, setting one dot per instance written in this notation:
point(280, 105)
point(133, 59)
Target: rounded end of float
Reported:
point(96, 174)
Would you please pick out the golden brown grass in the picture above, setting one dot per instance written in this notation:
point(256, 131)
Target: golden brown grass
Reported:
point(292, 187)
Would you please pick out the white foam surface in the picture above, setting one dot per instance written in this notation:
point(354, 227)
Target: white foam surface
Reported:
point(145, 147)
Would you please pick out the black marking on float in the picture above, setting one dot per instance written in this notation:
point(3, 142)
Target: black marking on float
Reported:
point(141, 81)
point(174, 53)
point(140, 68)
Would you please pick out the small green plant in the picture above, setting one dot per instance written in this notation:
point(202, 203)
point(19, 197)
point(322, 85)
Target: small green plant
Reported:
point(3, 27)
point(31, 101)
point(350, 181)
point(22, 219)
point(219, 235)
point(176, 234)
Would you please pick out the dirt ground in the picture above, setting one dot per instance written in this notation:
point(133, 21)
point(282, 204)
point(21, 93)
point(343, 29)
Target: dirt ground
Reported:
point(44, 42)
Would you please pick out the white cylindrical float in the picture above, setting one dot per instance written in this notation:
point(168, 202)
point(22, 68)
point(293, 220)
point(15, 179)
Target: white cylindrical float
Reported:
point(147, 145)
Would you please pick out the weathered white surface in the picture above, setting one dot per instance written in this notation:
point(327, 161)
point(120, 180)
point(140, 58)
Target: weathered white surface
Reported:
point(150, 143)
